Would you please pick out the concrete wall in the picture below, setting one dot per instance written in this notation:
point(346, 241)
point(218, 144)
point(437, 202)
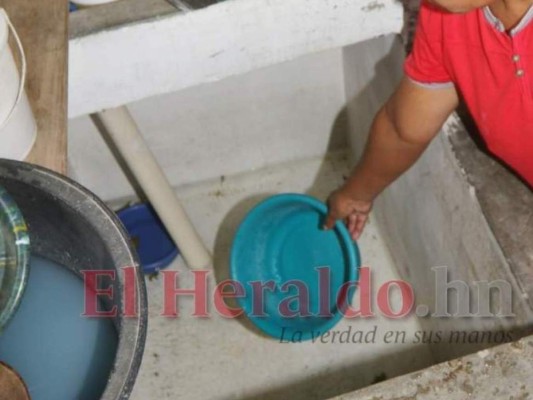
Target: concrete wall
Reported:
point(430, 217)
point(276, 114)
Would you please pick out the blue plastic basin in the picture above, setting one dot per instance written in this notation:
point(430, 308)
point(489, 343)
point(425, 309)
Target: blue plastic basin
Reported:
point(282, 240)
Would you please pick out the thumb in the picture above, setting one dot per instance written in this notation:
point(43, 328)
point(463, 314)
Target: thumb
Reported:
point(330, 220)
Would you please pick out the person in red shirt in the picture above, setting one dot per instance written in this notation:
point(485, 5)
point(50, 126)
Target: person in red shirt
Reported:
point(479, 50)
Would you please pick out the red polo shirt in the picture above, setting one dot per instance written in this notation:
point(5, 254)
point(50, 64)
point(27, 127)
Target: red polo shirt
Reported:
point(492, 70)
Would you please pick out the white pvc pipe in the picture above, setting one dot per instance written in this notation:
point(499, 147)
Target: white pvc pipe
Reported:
point(124, 133)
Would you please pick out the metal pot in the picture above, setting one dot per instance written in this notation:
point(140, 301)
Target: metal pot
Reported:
point(70, 226)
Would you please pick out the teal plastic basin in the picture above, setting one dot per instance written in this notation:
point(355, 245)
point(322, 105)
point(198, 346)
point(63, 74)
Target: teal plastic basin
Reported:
point(281, 242)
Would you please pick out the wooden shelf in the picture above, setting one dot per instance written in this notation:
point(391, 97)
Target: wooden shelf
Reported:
point(43, 29)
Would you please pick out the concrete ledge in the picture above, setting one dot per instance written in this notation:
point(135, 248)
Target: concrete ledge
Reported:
point(503, 372)
point(113, 61)
point(507, 204)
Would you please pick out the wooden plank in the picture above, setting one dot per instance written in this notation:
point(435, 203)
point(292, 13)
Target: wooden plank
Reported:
point(43, 29)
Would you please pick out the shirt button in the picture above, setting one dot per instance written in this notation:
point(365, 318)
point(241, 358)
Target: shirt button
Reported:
point(520, 73)
point(516, 58)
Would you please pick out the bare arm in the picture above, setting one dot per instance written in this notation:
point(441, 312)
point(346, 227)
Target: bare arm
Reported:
point(401, 131)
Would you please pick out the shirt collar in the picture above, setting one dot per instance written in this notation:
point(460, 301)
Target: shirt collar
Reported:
point(494, 21)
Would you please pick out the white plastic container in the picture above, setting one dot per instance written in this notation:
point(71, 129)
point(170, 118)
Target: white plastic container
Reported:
point(18, 129)
point(90, 3)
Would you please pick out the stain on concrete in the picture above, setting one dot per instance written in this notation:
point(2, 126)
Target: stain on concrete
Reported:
point(373, 6)
point(216, 54)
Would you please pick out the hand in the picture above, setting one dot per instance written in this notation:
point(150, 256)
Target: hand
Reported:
point(354, 212)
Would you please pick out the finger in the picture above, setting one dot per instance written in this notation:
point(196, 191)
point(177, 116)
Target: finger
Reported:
point(330, 221)
point(360, 226)
point(352, 219)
